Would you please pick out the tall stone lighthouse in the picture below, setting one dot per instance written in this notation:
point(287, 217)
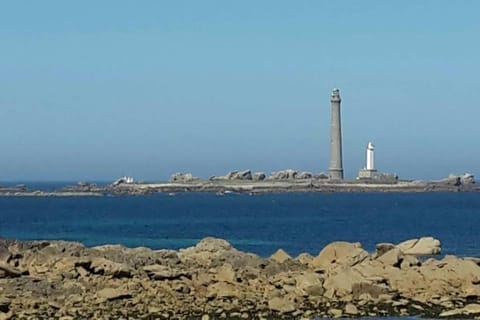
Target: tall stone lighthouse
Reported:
point(335, 170)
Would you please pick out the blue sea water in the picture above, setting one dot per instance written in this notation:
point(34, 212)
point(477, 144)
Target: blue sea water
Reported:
point(296, 222)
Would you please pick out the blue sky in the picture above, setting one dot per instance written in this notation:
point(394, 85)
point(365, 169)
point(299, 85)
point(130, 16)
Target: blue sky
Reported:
point(91, 90)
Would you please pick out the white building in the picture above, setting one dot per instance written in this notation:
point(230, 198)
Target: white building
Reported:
point(369, 171)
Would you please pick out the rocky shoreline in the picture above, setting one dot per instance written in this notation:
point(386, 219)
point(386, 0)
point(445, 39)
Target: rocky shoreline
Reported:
point(247, 182)
point(213, 280)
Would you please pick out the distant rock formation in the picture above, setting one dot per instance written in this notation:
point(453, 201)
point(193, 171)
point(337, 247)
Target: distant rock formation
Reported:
point(465, 181)
point(183, 177)
point(290, 174)
point(259, 176)
point(240, 175)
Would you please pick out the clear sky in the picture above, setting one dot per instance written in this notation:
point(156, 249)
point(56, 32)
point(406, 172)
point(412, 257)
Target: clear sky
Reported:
point(92, 90)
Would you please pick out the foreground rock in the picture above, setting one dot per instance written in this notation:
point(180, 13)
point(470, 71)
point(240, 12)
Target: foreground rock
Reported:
point(211, 280)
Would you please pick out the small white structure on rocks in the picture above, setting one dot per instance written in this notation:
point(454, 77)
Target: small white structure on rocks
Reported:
point(369, 171)
point(123, 180)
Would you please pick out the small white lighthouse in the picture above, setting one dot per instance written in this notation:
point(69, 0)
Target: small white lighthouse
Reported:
point(369, 171)
point(370, 156)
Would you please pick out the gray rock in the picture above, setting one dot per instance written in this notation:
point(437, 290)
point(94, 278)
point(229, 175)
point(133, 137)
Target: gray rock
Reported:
point(242, 175)
point(288, 174)
point(321, 175)
point(182, 177)
point(259, 176)
point(467, 179)
point(235, 175)
point(304, 175)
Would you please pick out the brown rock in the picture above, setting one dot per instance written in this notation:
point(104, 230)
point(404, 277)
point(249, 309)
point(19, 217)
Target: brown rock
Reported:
point(310, 284)
point(392, 257)
point(280, 256)
point(281, 305)
point(102, 266)
point(341, 284)
point(226, 273)
point(9, 271)
point(421, 246)
point(344, 254)
point(223, 290)
point(336, 313)
point(159, 272)
point(109, 294)
point(304, 258)
point(351, 309)
point(384, 247)
point(472, 308)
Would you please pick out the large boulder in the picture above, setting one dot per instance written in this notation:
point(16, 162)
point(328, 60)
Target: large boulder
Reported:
point(341, 284)
point(259, 176)
point(280, 256)
point(214, 252)
point(242, 175)
point(304, 175)
point(321, 175)
point(467, 179)
point(309, 283)
point(421, 246)
point(182, 177)
point(339, 254)
point(288, 174)
point(105, 267)
point(235, 175)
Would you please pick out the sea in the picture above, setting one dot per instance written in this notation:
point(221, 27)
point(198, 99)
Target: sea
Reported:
point(295, 222)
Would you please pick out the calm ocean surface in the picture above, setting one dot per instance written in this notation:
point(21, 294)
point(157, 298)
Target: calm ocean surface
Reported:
point(260, 224)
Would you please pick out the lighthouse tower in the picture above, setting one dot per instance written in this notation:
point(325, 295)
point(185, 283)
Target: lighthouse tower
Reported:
point(335, 169)
point(369, 171)
point(370, 157)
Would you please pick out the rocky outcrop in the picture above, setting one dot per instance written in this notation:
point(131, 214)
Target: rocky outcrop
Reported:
point(182, 178)
point(458, 180)
point(259, 176)
point(420, 247)
point(245, 175)
point(234, 175)
point(290, 174)
point(65, 280)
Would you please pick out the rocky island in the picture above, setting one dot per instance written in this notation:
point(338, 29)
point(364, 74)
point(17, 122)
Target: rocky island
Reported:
point(255, 183)
point(213, 280)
